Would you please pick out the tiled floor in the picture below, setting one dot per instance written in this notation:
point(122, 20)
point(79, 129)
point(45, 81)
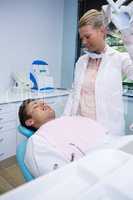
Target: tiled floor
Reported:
point(10, 175)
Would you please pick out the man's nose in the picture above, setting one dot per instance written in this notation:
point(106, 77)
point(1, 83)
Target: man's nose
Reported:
point(42, 103)
point(46, 107)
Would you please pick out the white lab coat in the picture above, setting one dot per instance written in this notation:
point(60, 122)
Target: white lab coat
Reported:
point(108, 89)
point(127, 36)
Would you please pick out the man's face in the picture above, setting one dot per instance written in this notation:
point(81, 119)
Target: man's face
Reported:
point(40, 113)
point(92, 38)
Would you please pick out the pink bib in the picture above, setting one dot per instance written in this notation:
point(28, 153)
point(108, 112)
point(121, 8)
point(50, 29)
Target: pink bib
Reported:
point(72, 137)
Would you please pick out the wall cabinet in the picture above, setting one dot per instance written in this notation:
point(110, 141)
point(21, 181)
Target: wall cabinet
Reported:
point(7, 130)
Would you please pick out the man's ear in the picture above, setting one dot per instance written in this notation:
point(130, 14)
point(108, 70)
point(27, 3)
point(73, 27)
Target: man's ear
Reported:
point(29, 122)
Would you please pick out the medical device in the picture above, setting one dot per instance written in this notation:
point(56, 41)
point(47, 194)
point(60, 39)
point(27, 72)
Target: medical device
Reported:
point(40, 76)
point(116, 9)
point(20, 81)
point(120, 2)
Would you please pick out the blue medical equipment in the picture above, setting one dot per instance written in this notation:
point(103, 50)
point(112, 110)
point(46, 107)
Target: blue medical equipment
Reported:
point(39, 76)
point(20, 153)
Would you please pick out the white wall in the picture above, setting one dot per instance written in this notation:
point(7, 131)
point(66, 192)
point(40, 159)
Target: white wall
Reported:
point(69, 42)
point(30, 29)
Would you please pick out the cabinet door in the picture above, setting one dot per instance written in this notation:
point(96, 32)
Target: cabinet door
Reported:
point(7, 108)
point(7, 117)
point(6, 126)
point(7, 144)
point(128, 113)
point(7, 130)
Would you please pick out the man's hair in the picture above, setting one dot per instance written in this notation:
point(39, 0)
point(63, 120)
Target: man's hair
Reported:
point(92, 17)
point(23, 114)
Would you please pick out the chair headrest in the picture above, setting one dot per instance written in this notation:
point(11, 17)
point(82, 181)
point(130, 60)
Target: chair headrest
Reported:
point(25, 131)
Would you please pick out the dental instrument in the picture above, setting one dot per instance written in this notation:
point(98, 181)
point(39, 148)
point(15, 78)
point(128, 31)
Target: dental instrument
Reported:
point(120, 2)
point(117, 11)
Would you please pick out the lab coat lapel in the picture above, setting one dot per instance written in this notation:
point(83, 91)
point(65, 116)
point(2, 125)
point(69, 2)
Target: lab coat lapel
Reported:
point(101, 86)
point(79, 80)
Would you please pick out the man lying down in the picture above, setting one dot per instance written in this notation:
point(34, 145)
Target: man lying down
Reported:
point(59, 141)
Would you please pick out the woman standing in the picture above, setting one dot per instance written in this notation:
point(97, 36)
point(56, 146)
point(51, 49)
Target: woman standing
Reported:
point(97, 87)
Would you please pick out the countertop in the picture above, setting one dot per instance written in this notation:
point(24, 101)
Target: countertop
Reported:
point(16, 96)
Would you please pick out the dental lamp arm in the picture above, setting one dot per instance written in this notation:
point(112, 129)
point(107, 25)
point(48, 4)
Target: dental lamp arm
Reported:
point(126, 27)
point(127, 37)
point(122, 18)
point(120, 2)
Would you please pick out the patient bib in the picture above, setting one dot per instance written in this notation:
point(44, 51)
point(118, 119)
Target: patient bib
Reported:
point(72, 137)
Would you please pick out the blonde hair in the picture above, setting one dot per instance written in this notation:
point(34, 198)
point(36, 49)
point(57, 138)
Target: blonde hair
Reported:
point(92, 17)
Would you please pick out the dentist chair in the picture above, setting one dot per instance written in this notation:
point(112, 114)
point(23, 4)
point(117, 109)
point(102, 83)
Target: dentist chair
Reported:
point(20, 153)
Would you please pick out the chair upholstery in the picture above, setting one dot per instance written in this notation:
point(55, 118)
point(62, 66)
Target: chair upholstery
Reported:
point(20, 153)
point(25, 131)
